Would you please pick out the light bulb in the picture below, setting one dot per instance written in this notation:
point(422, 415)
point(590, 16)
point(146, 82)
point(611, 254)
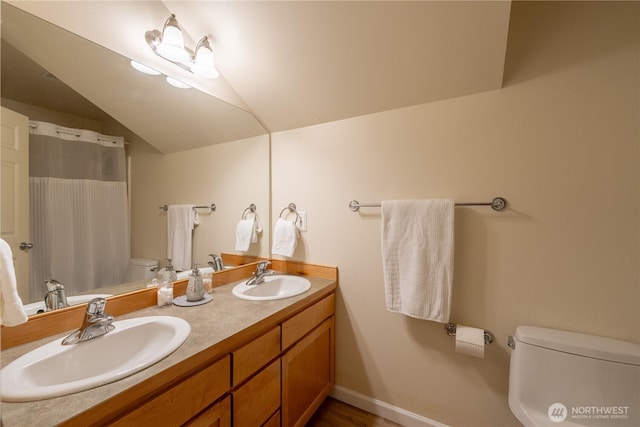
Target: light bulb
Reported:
point(203, 64)
point(171, 46)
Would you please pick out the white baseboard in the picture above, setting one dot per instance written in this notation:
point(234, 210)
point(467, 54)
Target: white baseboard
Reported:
point(382, 409)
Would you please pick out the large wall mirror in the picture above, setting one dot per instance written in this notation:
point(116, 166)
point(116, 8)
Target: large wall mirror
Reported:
point(184, 146)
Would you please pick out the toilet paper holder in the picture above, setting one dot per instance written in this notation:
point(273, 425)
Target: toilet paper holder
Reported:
point(451, 331)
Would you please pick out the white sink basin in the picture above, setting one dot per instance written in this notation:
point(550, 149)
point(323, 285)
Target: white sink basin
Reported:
point(56, 370)
point(39, 307)
point(273, 287)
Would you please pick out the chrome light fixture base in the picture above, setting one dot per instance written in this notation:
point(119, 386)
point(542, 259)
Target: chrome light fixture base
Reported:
point(198, 62)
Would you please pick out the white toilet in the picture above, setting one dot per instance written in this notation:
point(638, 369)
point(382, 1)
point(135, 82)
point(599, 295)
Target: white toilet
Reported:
point(560, 378)
point(140, 269)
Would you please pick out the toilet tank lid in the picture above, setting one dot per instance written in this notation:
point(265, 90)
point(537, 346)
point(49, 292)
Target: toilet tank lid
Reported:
point(145, 262)
point(581, 344)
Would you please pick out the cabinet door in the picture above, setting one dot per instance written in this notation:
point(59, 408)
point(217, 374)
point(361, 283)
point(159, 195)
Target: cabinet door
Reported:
point(217, 415)
point(307, 374)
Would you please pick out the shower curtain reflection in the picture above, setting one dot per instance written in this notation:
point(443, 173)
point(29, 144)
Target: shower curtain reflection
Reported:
point(78, 209)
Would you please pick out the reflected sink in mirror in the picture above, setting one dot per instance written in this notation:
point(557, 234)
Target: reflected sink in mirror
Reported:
point(39, 307)
point(273, 287)
point(203, 270)
point(185, 274)
point(54, 369)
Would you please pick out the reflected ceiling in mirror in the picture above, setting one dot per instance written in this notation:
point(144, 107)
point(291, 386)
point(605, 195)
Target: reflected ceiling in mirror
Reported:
point(169, 118)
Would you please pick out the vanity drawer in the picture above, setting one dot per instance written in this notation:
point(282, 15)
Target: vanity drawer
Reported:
point(302, 323)
point(253, 356)
point(178, 404)
point(259, 398)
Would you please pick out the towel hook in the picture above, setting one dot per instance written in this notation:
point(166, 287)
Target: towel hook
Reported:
point(291, 208)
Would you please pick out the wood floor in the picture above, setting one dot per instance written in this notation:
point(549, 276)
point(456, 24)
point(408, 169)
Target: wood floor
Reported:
point(334, 413)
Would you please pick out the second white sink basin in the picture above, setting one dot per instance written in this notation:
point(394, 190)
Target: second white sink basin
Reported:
point(273, 287)
point(54, 369)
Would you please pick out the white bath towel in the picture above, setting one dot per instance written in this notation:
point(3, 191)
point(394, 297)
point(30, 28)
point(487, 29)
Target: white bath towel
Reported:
point(417, 256)
point(181, 219)
point(285, 238)
point(11, 309)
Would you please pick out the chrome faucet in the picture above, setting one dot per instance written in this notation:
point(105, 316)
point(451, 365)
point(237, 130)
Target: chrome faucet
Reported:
point(96, 323)
point(55, 296)
point(260, 273)
point(217, 263)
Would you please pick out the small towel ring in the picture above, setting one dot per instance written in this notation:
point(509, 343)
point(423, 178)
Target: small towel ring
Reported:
point(291, 208)
point(250, 209)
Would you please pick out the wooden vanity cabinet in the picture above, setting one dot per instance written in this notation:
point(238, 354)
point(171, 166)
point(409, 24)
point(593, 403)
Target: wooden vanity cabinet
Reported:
point(308, 366)
point(277, 378)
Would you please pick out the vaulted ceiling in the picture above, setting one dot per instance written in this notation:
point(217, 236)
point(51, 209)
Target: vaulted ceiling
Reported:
point(298, 63)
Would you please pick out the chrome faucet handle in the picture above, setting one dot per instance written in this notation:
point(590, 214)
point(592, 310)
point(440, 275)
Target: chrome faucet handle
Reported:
point(96, 306)
point(262, 265)
point(53, 285)
point(54, 297)
point(261, 271)
point(217, 264)
point(96, 323)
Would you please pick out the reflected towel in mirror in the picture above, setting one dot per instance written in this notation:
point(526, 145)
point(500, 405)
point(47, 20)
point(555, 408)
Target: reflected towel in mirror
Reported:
point(11, 309)
point(181, 219)
point(246, 233)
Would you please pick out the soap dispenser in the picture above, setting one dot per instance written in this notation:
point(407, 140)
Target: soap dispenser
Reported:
point(169, 274)
point(195, 287)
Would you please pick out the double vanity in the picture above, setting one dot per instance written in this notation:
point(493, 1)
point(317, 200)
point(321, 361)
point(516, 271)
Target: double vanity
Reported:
point(245, 361)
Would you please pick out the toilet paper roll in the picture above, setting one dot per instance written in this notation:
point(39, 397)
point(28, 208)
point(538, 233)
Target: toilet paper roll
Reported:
point(470, 341)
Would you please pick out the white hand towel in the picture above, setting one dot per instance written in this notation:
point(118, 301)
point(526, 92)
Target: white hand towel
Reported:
point(417, 256)
point(285, 238)
point(181, 219)
point(11, 309)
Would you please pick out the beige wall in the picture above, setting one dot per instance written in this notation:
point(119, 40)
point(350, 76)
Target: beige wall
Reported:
point(231, 175)
point(559, 142)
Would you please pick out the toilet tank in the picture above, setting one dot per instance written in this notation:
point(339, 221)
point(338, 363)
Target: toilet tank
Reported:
point(140, 269)
point(561, 378)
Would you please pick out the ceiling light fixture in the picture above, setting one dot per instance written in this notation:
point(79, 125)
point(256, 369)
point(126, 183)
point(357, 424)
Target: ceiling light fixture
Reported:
point(169, 44)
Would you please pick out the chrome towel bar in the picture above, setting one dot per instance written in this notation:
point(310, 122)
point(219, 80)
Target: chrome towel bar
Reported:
point(212, 207)
point(496, 204)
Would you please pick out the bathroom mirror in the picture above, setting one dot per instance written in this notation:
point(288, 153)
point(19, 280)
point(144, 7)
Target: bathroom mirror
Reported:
point(187, 147)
